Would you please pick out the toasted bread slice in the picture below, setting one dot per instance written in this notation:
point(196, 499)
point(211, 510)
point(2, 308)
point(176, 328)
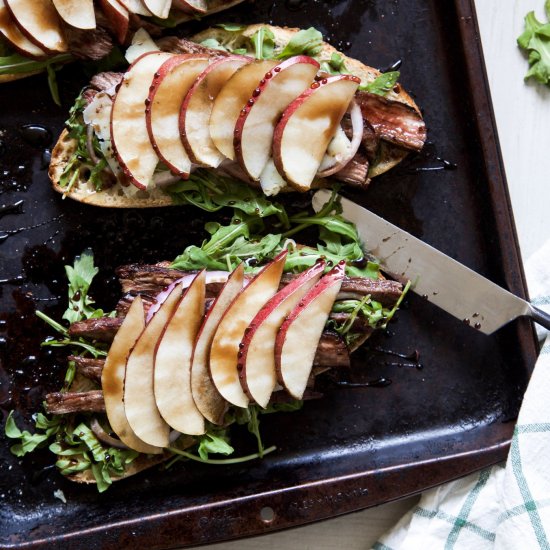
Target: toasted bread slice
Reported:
point(118, 197)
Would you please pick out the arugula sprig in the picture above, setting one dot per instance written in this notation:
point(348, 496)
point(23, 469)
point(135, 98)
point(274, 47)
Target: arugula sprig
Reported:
point(535, 40)
point(382, 84)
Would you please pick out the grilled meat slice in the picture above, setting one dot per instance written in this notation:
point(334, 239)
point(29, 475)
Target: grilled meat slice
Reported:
point(71, 402)
point(102, 329)
point(88, 367)
point(393, 121)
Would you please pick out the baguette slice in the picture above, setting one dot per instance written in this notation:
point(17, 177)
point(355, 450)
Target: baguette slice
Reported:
point(118, 197)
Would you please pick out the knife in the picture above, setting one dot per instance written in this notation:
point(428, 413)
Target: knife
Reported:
point(443, 281)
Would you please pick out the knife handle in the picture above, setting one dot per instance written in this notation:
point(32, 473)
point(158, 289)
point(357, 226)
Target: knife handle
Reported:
point(540, 317)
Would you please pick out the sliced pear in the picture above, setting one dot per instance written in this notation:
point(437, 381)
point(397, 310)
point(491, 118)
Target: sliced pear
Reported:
point(10, 31)
point(137, 7)
point(253, 133)
point(207, 398)
point(132, 148)
point(307, 126)
point(197, 108)
point(173, 362)
point(139, 396)
point(159, 8)
point(193, 7)
point(225, 352)
point(233, 99)
point(118, 16)
point(299, 335)
point(77, 13)
point(166, 94)
point(40, 23)
point(257, 373)
point(112, 378)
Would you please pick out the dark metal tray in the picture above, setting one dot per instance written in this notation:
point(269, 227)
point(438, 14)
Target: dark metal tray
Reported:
point(356, 447)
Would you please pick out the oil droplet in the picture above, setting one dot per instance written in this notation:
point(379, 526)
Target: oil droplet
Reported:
point(36, 135)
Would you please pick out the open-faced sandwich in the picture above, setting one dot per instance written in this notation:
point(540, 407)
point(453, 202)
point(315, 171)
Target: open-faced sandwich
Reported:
point(230, 330)
point(274, 107)
point(39, 35)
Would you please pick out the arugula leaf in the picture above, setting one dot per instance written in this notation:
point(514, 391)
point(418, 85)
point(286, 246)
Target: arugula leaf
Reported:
point(80, 277)
point(263, 41)
point(382, 84)
point(231, 27)
point(307, 42)
point(335, 65)
point(211, 192)
point(212, 443)
point(536, 41)
point(28, 442)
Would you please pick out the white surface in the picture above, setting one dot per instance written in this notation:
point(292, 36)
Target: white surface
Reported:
point(523, 118)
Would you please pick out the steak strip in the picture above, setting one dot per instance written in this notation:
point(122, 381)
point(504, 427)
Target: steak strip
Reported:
point(88, 367)
point(150, 279)
point(70, 402)
point(393, 121)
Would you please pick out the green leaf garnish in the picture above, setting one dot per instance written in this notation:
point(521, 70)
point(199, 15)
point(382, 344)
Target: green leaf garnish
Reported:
point(382, 84)
point(307, 42)
point(535, 40)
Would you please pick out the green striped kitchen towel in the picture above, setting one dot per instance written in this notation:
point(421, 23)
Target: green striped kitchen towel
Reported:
point(506, 506)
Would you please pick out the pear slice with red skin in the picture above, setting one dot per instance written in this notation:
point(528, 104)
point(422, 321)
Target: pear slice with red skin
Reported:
point(159, 8)
point(77, 13)
point(253, 134)
point(136, 7)
point(232, 100)
point(40, 23)
point(118, 16)
point(257, 373)
point(207, 398)
point(139, 396)
point(299, 335)
point(168, 90)
point(224, 354)
point(10, 31)
point(132, 149)
point(172, 378)
point(112, 378)
point(197, 108)
point(307, 126)
point(194, 7)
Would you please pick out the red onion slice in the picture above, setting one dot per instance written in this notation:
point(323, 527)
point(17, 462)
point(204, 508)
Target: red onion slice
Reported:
point(102, 435)
point(186, 280)
point(357, 129)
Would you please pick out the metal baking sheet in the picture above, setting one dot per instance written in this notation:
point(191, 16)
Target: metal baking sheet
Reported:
point(354, 448)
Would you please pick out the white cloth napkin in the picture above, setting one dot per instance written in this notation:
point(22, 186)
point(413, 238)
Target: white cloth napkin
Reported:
point(502, 507)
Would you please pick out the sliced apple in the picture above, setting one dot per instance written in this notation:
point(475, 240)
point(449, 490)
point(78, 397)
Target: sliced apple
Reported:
point(307, 126)
point(225, 351)
point(257, 362)
point(137, 7)
point(118, 17)
point(172, 379)
point(10, 31)
point(40, 23)
point(112, 378)
point(77, 13)
point(139, 396)
point(299, 335)
point(197, 108)
point(207, 398)
point(195, 7)
point(253, 134)
point(232, 101)
point(159, 8)
point(167, 92)
point(132, 148)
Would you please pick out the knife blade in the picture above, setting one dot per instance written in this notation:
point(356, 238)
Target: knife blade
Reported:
point(437, 277)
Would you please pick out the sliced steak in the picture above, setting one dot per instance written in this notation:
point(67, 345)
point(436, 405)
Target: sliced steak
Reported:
point(71, 402)
point(393, 121)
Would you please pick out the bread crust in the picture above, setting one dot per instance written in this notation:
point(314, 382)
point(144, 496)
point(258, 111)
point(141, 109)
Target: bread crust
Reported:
point(114, 197)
